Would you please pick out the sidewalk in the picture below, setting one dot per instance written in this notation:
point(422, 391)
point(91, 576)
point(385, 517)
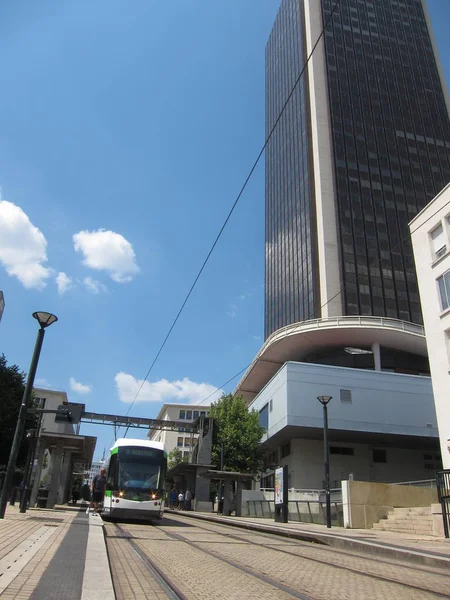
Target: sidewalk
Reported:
point(417, 549)
point(53, 555)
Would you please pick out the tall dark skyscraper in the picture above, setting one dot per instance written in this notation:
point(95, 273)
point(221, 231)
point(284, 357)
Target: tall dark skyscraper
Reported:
point(362, 147)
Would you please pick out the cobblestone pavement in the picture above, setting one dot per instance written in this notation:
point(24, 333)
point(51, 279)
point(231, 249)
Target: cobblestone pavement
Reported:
point(208, 560)
point(17, 528)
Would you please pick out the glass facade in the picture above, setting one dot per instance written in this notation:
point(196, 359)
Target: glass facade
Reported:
point(290, 291)
point(390, 132)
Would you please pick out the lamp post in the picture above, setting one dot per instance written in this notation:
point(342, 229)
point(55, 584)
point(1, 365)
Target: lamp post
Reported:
point(324, 401)
point(44, 319)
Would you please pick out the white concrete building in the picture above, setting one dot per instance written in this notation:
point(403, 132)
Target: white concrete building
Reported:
point(430, 233)
point(180, 439)
point(382, 426)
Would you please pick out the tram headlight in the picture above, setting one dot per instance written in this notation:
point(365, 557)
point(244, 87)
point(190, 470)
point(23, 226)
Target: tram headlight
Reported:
point(153, 496)
point(121, 494)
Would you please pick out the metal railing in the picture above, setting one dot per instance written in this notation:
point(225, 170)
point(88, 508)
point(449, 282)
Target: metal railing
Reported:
point(302, 511)
point(429, 483)
point(339, 321)
point(443, 489)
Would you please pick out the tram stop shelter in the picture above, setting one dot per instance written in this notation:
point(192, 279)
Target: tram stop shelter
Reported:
point(231, 501)
point(191, 476)
point(68, 452)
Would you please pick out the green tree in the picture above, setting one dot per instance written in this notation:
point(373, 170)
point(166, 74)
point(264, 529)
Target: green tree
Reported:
point(12, 386)
point(239, 431)
point(174, 458)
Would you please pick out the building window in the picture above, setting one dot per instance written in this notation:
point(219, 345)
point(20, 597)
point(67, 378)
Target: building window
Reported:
point(187, 442)
point(378, 455)
point(444, 289)
point(180, 442)
point(264, 417)
point(438, 242)
point(432, 461)
point(285, 449)
point(203, 413)
point(182, 414)
point(346, 396)
point(342, 450)
point(195, 414)
point(189, 414)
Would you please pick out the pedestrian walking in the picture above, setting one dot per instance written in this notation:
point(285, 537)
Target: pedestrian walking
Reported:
point(181, 501)
point(98, 489)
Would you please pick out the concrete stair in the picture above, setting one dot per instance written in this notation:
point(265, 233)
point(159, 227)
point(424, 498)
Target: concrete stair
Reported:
point(418, 520)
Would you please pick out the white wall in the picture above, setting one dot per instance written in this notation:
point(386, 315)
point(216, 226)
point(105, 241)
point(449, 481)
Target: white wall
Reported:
point(381, 402)
point(171, 412)
point(436, 321)
point(53, 399)
point(306, 464)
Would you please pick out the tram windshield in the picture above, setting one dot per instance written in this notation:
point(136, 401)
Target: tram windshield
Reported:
point(141, 469)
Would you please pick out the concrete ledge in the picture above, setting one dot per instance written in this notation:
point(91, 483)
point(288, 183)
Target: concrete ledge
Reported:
point(97, 580)
point(335, 540)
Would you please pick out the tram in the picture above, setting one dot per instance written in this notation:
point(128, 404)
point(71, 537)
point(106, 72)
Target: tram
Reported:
point(135, 481)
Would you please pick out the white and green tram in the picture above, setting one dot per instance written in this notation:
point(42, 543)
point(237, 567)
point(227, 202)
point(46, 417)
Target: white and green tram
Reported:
point(135, 482)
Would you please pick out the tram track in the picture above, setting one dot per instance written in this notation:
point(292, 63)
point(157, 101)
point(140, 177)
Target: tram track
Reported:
point(333, 553)
point(171, 590)
point(174, 593)
point(406, 576)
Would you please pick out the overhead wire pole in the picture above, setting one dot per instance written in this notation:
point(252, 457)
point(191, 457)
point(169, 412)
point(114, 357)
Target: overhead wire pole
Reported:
point(255, 164)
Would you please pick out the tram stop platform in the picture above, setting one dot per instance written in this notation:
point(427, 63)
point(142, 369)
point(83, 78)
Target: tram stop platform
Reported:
point(53, 555)
point(60, 554)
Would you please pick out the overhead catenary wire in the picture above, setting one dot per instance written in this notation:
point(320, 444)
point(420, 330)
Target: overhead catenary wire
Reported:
point(241, 191)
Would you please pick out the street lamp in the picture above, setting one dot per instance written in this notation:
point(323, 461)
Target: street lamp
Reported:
point(44, 319)
point(324, 401)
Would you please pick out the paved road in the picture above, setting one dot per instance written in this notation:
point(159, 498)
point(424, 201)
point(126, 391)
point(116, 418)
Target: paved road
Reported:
point(187, 559)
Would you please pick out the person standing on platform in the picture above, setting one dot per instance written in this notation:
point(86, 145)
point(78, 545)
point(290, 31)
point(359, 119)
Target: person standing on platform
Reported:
point(181, 501)
point(188, 500)
point(98, 489)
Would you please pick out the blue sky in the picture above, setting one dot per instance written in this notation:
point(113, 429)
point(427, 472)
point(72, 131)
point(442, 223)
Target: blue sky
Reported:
point(126, 131)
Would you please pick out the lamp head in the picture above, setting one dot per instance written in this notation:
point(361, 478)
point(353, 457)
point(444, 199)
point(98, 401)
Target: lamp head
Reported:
point(324, 399)
point(45, 319)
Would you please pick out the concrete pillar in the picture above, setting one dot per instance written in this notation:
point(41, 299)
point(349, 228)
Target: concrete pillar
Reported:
point(64, 480)
point(376, 356)
point(37, 476)
point(54, 477)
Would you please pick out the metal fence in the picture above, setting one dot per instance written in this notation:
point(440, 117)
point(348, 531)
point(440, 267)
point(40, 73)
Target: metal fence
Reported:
point(302, 511)
point(443, 489)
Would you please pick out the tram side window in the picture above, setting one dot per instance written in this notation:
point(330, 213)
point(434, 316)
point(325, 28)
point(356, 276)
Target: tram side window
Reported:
point(112, 472)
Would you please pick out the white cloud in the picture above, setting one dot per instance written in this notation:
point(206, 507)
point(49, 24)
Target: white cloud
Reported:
point(64, 283)
point(23, 247)
point(233, 311)
point(94, 286)
point(183, 390)
point(79, 388)
point(108, 251)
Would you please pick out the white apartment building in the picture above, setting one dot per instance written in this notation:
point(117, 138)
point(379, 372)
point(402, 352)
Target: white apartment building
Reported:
point(382, 425)
point(430, 233)
point(181, 439)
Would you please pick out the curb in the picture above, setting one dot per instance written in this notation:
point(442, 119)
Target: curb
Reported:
point(429, 559)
